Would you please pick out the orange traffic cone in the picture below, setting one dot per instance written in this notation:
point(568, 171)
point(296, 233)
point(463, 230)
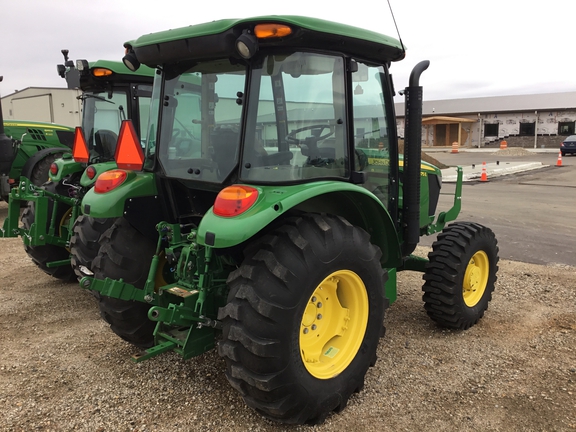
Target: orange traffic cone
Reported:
point(559, 163)
point(455, 147)
point(503, 145)
point(484, 176)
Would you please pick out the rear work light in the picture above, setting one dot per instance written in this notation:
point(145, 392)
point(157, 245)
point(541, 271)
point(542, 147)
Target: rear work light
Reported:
point(109, 180)
point(80, 151)
point(234, 200)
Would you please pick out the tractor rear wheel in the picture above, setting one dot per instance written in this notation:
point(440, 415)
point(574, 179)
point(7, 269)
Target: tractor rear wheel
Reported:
point(43, 254)
point(461, 275)
point(84, 243)
point(41, 170)
point(126, 254)
point(303, 318)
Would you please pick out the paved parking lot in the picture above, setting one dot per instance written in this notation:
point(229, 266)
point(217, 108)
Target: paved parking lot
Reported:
point(533, 213)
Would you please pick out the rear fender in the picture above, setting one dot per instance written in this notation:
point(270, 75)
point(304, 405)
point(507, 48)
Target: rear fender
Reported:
point(357, 205)
point(86, 181)
point(31, 163)
point(66, 166)
point(111, 204)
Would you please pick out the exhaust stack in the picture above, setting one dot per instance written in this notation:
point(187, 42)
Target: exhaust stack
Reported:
point(412, 158)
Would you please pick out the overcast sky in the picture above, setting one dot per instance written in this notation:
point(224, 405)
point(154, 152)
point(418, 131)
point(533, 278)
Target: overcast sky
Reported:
point(476, 49)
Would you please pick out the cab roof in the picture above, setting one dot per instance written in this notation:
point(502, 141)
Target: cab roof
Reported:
point(119, 68)
point(218, 37)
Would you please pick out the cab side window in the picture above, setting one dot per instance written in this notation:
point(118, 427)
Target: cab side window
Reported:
point(371, 142)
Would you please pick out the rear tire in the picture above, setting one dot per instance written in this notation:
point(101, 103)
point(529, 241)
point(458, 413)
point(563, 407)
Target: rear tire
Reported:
point(84, 243)
point(41, 171)
point(461, 275)
point(126, 254)
point(303, 318)
point(42, 255)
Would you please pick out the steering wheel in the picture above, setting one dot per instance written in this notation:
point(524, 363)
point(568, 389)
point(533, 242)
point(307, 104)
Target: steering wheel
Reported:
point(184, 147)
point(291, 137)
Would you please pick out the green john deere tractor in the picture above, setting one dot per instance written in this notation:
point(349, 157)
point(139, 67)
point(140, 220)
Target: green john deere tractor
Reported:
point(270, 211)
point(52, 226)
point(28, 148)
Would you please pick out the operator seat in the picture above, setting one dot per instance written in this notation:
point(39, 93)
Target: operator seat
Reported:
point(224, 149)
point(105, 144)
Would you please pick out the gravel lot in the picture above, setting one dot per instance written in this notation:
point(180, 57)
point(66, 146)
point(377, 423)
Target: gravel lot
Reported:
point(62, 369)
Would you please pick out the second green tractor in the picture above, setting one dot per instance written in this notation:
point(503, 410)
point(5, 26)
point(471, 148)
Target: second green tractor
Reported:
point(58, 239)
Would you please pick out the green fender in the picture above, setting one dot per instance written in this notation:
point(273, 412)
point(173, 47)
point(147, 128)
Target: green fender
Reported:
point(356, 204)
point(85, 181)
point(111, 204)
point(66, 166)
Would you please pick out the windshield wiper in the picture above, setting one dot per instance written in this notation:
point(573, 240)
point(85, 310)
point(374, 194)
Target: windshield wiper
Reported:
point(85, 96)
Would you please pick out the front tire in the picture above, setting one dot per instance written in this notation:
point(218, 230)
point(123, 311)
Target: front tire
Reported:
point(43, 254)
point(303, 319)
point(461, 275)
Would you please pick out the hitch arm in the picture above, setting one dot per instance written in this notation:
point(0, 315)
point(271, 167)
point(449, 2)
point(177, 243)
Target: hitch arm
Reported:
point(451, 214)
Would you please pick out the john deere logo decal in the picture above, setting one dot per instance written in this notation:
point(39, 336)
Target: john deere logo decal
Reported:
point(331, 352)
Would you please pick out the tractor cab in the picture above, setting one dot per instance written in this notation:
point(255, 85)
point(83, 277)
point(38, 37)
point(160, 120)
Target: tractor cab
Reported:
point(274, 108)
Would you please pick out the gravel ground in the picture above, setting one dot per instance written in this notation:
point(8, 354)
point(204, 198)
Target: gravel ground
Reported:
point(62, 369)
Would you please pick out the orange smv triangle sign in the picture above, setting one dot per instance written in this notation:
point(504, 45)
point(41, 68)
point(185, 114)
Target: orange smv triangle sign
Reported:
point(80, 149)
point(129, 154)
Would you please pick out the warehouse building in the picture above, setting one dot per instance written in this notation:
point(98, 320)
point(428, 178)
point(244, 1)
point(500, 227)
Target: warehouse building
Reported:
point(531, 121)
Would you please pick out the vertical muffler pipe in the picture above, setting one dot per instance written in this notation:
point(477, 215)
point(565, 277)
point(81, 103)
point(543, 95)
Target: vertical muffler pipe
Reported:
point(7, 153)
point(412, 158)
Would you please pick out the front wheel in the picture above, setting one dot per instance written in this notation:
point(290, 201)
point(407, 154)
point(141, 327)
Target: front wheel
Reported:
point(461, 275)
point(303, 318)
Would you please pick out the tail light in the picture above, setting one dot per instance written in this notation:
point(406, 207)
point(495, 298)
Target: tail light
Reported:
point(234, 200)
point(109, 180)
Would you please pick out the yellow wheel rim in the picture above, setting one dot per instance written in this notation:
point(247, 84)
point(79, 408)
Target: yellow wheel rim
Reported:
point(475, 278)
point(160, 277)
point(64, 223)
point(333, 324)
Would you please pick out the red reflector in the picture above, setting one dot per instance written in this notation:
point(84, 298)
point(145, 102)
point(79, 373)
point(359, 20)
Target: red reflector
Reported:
point(234, 200)
point(129, 154)
point(109, 180)
point(91, 172)
point(80, 149)
point(53, 169)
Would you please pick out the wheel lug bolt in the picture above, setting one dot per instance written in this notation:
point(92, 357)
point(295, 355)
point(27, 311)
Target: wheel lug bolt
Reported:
point(306, 331)
point(319, 305)
point(313, 299)
point(313, 326)
point(319, 316)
